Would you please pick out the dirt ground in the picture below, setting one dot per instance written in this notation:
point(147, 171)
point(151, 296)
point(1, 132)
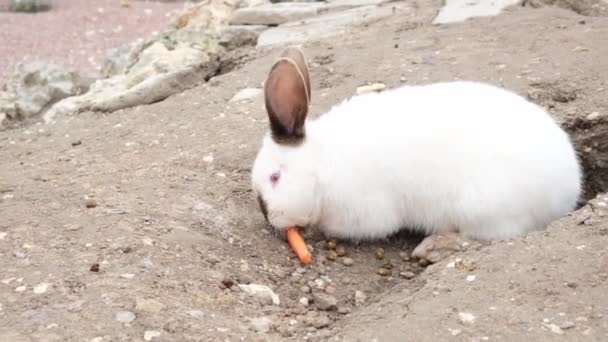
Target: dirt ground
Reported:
point(136, 224)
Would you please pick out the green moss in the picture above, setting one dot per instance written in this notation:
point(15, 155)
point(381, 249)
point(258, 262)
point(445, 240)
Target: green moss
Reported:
point(30, 6)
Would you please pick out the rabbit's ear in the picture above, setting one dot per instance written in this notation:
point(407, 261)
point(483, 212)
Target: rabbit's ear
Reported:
point(287, 93)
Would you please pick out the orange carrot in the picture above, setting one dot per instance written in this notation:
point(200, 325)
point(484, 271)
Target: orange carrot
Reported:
point(297, 244)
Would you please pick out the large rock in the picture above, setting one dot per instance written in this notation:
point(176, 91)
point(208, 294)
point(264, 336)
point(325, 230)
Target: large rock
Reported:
point(149, 70)
point(160, 71)
point(275, 14)
point(323, 26)
point(459, 10)
point(33, 87)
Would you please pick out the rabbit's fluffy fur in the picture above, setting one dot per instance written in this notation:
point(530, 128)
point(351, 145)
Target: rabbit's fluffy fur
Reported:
point(456, 156)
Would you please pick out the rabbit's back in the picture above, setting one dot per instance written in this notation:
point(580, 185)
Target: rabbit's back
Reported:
point(446, 156)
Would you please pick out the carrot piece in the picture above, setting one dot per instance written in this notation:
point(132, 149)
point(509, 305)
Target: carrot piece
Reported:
point(298, 245)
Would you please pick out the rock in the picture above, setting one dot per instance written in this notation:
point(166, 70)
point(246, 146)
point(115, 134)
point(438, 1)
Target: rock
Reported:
point(125, 316)
point(246, 94)
point(321, 321)
point(261, 324)
point(324, 301)
point(466, 318)
point(151, 335)
point(236, 36)
point(261, 293)
point(35, 86)
point(198, 314)
point(41, 288)
point(407, 275)
point(161, 71)
point(117, 60)
point(275, 14)
point(303, 301)
point(208, 14)
point(554, 328)
point(348, 261)
point(372, 88)
point(379, 253)
point(360, 298)
point(148, 305)
point(460, 10)
point(341, 5)
point(322, 26)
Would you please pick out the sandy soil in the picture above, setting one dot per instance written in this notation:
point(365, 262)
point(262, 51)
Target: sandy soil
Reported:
point(149, 210)
point(76, 32)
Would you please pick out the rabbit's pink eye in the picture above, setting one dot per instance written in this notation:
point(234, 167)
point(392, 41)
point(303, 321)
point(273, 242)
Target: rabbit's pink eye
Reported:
point(274, 178)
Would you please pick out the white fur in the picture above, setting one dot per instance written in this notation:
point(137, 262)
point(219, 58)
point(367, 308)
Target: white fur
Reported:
point(457, 156)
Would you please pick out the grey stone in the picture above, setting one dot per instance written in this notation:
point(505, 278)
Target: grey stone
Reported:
point(323, 26)
point(460, 10)
point(261, 324)
point(324, 301)
point(275, 14)
point(247, 94)
point(35, 86)
point(148, 305)
point(159, 73)
point(261, 293)
point(125, 316)
point(235, 36)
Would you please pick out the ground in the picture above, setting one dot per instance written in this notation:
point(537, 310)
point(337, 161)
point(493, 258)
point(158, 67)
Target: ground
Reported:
point(137, 224)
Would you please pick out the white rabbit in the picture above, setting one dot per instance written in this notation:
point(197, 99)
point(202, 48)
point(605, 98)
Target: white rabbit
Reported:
point(456, 157)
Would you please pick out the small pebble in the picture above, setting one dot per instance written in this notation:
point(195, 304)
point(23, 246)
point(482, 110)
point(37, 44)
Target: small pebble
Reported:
point(127, 275)
point(471, 277)
point(466, 318)
point(567, 325)
point(261, 324)
point(90, 203)
point(330, 289)
point(41, 288)
point(305, 289)
point(554, 328)
point(198, 314)
point(332, 255)
point(404, 256)
point(340, 251)
point(423, 262)
point(347, 261)
point(125, 316)
point(379, 253)
point(227, 283)
point(388, 265)
point(76, 143)
point(383, 271)
point(343, 310)
point(94, 267)
point(331, 244)
point(407, 275)
point(325, 301)
point(303, 301)
point(360, 298)
point(21, 288)
point(151, 335)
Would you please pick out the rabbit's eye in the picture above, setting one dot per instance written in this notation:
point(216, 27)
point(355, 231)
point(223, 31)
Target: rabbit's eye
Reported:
point(274, 178)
